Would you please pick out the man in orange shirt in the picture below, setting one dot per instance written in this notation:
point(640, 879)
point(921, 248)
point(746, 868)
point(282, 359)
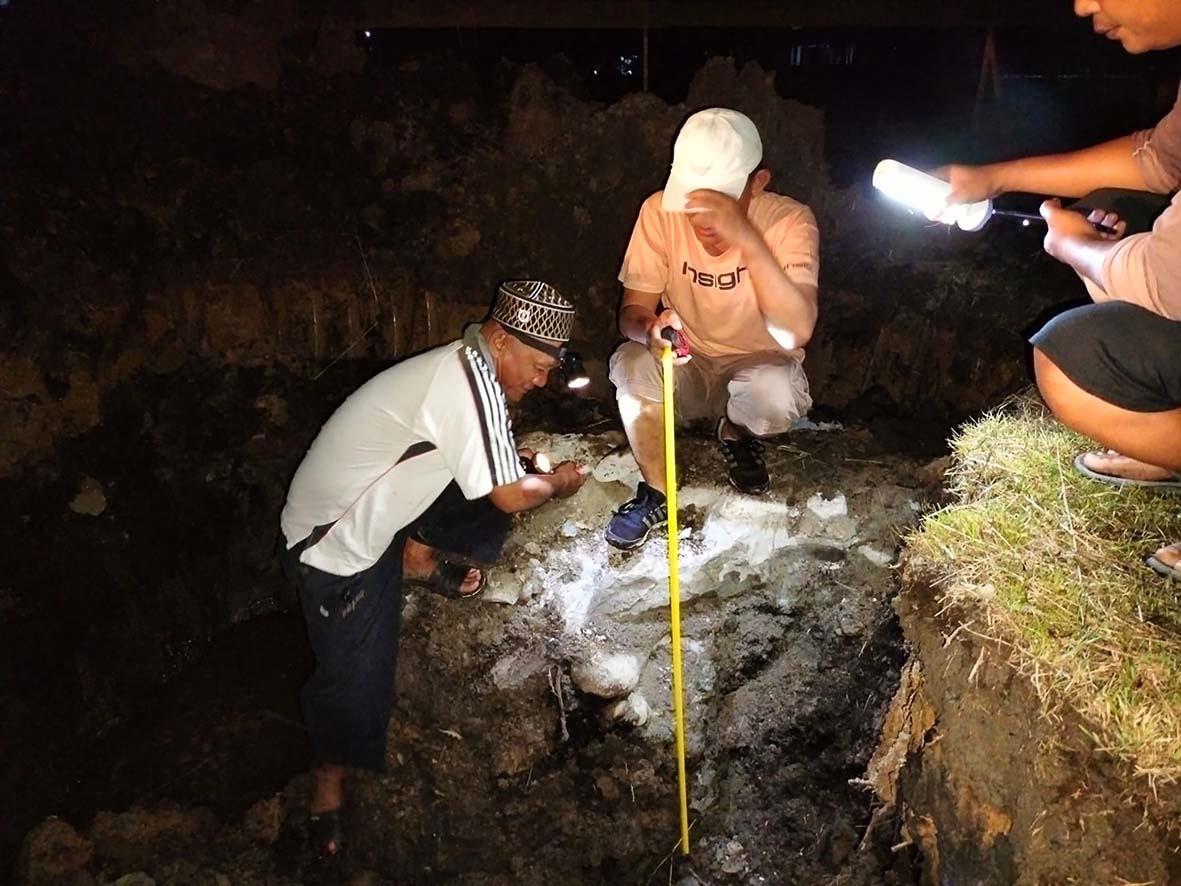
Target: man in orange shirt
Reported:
point(733, 268)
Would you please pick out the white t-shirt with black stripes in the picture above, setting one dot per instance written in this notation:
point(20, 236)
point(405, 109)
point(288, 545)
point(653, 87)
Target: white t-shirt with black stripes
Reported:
point(391, 448)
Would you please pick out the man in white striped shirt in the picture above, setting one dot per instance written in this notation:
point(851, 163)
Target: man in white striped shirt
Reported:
point(411, 479)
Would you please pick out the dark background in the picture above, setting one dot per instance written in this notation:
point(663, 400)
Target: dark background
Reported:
point(904, 92)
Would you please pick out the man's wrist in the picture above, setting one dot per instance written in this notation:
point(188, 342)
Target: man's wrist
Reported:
point(996, 178)
point(562, 485)
point(635, 326)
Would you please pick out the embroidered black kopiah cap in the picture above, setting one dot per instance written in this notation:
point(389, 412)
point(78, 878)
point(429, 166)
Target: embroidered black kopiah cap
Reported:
point(531, 309)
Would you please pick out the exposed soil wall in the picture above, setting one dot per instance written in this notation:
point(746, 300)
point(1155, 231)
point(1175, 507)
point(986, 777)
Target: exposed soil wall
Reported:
point(993, 793)
point(154, 216)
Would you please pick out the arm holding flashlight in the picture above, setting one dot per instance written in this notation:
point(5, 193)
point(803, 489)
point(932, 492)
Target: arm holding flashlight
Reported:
point(789, 308)
point(1142, 268)
point(534, 490)
point(1108, 165)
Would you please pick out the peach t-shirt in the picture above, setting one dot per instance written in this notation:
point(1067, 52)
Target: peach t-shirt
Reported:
point(1145, 269)
point(713, 294)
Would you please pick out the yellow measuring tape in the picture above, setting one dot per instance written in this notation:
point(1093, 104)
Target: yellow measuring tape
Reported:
point(674, 589)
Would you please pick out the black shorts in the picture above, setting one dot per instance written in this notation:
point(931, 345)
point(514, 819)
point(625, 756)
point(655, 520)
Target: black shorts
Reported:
point(1119, 352)
point(353, 624)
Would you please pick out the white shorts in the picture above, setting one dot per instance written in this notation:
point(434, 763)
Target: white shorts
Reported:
point(763, 392)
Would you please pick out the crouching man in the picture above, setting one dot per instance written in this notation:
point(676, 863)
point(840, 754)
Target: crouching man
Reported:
point(733, 268)
point(411, 481)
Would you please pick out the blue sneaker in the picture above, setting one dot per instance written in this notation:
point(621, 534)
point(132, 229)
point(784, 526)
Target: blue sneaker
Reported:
point(630, 525)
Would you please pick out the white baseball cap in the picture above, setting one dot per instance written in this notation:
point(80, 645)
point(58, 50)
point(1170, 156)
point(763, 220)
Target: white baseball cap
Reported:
point(718, 149)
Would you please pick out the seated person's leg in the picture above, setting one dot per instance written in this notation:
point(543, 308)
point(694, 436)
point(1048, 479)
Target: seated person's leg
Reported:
point(452, 541)
point(640, 393)
point(766, 394)
point(766, 397)
point(1111, 371)
point(639, 390)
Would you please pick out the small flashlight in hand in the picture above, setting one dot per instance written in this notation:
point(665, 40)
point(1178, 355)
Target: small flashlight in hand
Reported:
point(537, 463)
point(677, 339)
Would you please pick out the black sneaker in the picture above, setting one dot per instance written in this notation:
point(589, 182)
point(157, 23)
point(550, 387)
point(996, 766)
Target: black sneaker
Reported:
point(748, 471)
point(630, 525)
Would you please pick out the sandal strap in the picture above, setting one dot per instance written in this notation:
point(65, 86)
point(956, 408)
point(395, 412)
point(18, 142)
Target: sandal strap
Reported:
point(448, 578)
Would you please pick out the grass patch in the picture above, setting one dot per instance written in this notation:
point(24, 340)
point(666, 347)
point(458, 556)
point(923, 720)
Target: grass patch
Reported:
point(1053, 561)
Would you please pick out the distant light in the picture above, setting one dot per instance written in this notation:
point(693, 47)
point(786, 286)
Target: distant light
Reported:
point(368, 34)
point(577, 383)
point(1025, 223)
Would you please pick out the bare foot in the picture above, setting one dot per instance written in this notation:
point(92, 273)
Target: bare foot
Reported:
point(1113, 464)
point(419, 561)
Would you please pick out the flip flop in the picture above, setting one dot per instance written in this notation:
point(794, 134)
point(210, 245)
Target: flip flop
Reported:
point(1112, 480)
point(325, 832)
point(1160, 567)
point(447, 579)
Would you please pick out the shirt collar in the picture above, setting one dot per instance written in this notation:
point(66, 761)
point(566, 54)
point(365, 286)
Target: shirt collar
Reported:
point(474, 340)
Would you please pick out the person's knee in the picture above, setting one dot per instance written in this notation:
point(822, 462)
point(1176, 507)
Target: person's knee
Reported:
point(634, 372)
point(1057, 390)
point(639, 412)
point(768, 399)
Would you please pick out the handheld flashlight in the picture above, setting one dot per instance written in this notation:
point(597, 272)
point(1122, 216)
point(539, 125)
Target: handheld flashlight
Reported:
point(927, 194)
point(539, 463)
point(573, 372)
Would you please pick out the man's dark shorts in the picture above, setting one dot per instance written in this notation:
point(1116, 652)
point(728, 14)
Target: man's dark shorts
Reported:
point(1119, 352)
point(352, 624)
